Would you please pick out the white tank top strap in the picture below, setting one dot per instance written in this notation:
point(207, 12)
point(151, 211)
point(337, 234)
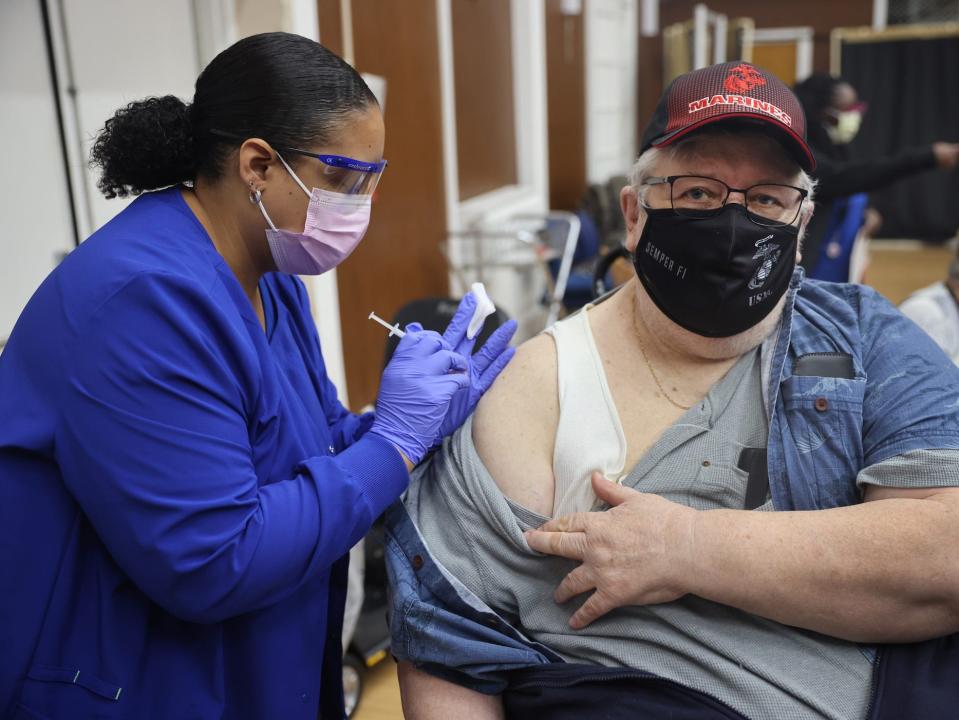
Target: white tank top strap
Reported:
point(589, 436)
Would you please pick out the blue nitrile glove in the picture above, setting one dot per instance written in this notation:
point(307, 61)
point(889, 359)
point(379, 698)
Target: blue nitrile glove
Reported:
point(484, 366)
point(415, 391)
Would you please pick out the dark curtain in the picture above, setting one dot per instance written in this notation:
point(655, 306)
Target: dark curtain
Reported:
point(912, 87)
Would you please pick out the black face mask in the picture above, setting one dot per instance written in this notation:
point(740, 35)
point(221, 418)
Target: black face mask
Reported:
point(716, 276)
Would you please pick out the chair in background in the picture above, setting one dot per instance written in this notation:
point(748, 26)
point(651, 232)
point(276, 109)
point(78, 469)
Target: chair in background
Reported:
point(546, 241)
point(578, 286)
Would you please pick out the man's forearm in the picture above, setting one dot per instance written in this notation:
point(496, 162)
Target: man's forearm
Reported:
point(882, 571)
point(428, 698)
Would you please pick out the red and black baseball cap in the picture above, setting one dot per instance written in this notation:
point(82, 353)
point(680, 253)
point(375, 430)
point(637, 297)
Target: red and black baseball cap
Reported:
point(730, 92)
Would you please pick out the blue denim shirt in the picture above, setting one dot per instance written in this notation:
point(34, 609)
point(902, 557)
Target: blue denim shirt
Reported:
point(904, 395)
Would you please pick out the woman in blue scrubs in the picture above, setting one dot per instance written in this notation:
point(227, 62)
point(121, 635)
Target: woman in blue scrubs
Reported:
point(179, 485)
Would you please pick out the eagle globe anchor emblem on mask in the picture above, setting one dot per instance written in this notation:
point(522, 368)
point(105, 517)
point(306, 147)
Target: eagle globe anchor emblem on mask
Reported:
point(769, 255)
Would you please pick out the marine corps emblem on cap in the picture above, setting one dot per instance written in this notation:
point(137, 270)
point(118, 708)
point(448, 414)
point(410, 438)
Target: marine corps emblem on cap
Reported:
point(743, 78)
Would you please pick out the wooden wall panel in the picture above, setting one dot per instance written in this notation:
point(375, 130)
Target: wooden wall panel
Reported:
point(649, 75)
point(399, 260)
point(329, 14)
point(779, 59)
point(566, 106)
point(483, 78)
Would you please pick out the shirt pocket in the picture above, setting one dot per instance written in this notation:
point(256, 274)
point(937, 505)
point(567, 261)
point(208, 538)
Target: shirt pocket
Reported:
point(52, 692)
point(823, 419)
point(720, 482)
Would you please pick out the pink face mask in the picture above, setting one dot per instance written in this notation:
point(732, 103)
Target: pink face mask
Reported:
point(335, 224)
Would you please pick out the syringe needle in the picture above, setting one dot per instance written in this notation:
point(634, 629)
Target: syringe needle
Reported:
point(394, 329)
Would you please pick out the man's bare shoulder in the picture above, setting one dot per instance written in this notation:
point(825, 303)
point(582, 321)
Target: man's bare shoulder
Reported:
point(514, 427)
point(528, 384)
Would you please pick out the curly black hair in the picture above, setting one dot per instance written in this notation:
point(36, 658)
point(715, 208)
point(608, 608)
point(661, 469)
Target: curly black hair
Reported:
point(146, 145)
point(284, 88)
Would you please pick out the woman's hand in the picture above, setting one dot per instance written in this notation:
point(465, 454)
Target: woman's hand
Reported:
point(636, 553)
point(415, 391)
point(484, 366)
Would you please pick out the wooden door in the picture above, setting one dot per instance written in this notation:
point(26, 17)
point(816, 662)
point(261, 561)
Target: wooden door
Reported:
point(483, 90)
point(566, 106)
point(779, 58)
point(399, 260)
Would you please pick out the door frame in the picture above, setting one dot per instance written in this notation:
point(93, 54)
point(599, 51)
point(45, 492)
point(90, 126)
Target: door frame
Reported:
point(801, 35)
point(531, 192)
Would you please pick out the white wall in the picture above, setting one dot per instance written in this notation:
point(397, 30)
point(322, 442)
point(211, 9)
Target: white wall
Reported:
point(112, 52)
point(121, 51)
point(34, 203)
point(109, 52)
point(611, 40)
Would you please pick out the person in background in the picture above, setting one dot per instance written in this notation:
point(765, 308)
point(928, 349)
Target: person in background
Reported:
point(936, 310)
point(834, 113)
point(179, 484)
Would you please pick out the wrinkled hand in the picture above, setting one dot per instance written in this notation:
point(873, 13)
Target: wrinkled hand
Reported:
point(947, 154)
point(416, 389)
point(483, 367)
point(639, 552)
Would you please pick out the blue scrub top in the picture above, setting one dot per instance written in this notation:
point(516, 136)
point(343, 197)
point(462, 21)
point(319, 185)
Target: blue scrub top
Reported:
point(178, 489)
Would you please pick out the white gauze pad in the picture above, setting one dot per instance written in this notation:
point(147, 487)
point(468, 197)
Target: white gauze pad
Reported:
point(484, 308)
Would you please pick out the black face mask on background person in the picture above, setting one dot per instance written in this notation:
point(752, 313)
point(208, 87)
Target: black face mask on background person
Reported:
point(716, 275)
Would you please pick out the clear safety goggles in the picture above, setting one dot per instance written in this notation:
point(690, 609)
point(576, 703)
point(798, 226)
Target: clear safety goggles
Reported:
point(341, 174)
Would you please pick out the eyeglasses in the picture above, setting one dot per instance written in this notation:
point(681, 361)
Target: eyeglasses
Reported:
point(769, 204)
point(345, 174)
point(340, 173)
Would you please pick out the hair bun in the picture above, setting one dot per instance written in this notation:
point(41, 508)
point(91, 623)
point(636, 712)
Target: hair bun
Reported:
point(146, 145)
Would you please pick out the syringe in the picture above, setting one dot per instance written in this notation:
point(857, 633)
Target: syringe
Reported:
point(394, 329)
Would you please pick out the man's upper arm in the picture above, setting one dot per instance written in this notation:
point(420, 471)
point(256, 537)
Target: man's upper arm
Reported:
point(914, 475)
point(514, 428)
point(948, 495)
point(426, 697)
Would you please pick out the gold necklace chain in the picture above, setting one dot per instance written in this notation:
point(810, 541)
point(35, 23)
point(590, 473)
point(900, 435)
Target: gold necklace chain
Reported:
point(642, 349)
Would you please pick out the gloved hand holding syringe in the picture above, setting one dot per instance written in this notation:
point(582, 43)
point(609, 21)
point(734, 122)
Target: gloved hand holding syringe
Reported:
point(460, 335)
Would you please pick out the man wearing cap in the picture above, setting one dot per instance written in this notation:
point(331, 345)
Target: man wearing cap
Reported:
point(721, 491)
